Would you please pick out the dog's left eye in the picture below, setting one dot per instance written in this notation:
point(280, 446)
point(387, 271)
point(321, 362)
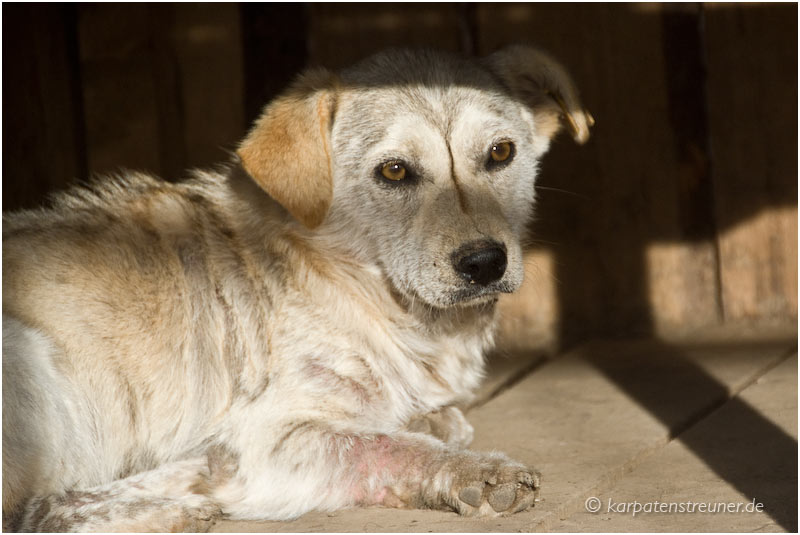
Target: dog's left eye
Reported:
point(501, 152)
point(393, 171)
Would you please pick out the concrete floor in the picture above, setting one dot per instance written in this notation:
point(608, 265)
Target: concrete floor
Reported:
point(634, 428)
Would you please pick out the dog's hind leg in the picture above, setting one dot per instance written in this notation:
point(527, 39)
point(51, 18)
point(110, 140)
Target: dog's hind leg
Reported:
point(167, 499)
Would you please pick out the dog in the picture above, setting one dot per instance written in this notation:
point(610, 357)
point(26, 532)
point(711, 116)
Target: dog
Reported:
point(294, 330)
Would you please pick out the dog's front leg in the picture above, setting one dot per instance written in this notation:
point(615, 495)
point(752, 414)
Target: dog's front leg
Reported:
point(412, 470)
point(326, 470)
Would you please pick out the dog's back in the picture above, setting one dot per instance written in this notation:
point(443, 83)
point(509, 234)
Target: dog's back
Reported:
point(118, 276)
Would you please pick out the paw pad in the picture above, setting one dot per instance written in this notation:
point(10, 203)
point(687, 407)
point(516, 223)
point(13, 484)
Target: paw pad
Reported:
point(502, 497)
point(492, 484)
point(471, 496)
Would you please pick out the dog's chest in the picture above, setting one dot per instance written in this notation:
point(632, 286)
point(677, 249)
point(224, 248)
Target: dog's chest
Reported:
point(359, 365)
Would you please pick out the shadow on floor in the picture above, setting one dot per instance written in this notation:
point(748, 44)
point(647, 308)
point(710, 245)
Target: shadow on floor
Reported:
point(751, 453)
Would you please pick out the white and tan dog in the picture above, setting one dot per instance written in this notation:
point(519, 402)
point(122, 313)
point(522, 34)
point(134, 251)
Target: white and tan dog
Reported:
point(264, 340)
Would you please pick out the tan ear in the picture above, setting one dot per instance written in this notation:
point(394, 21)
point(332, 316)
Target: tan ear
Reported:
point(544, 85)
point(288, 151)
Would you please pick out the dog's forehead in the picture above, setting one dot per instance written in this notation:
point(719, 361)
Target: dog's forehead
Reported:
point(395, 89)
point(435, 105)
point(394, 118)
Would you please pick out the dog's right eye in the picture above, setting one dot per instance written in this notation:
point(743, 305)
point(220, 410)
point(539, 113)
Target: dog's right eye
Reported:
point(394, 171)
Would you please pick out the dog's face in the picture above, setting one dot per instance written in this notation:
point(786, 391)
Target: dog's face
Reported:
point(431, 164)
point(436, 169)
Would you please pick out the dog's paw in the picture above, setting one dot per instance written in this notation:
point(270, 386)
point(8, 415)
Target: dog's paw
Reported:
point(199, 518)
point(490, 484)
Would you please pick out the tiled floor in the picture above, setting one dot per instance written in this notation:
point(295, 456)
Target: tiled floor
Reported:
point(667, 430)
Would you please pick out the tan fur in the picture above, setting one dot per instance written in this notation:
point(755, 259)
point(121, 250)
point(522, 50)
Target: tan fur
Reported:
point(288, 152)
point(290, 332)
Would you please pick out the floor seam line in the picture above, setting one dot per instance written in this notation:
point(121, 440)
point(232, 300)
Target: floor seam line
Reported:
point(714, 406)
point(608, 480)
point(509, 383)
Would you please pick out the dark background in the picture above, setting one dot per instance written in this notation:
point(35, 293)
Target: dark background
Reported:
point(680, 212)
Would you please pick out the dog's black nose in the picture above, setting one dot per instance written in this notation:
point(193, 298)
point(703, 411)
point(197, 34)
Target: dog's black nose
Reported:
point(481, 262)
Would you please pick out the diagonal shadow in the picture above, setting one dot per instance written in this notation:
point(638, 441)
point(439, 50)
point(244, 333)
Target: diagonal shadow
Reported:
point(748, 451)
point(603, 276)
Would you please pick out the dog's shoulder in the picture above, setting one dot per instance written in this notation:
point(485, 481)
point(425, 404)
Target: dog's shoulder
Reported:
point(110, 237)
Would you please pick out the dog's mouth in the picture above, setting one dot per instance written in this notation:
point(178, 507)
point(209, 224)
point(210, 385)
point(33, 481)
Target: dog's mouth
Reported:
point(464, 296)
point(475, 294)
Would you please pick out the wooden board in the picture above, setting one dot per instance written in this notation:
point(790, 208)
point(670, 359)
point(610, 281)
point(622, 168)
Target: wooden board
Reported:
point(119, 90)
point(43, 137)
point(341, 34)
point(163, 85)
point(752, 78)
point(208, 50)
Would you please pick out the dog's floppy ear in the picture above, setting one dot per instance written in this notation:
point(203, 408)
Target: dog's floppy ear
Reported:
point(288, 152)
point(543, 85)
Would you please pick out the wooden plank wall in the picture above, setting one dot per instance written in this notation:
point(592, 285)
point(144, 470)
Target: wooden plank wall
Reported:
point(94, 88)
point(681, 211)
point(752, 83)
point(43, 134)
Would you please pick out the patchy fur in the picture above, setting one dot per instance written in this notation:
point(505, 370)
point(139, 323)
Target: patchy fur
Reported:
point(292, 331)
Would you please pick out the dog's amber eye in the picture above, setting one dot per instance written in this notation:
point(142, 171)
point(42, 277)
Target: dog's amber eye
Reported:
point(501, 151)
point(393, 171)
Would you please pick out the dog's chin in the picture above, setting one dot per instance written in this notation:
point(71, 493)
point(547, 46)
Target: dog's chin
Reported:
point(464, 296)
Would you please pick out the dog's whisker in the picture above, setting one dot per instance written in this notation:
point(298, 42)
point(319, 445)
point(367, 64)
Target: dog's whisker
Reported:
point(564, 191)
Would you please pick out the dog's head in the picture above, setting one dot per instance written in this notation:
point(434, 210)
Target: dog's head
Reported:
point(423, 162)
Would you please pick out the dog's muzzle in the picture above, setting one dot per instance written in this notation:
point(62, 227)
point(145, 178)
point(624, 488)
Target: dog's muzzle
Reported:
point(481, 262)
